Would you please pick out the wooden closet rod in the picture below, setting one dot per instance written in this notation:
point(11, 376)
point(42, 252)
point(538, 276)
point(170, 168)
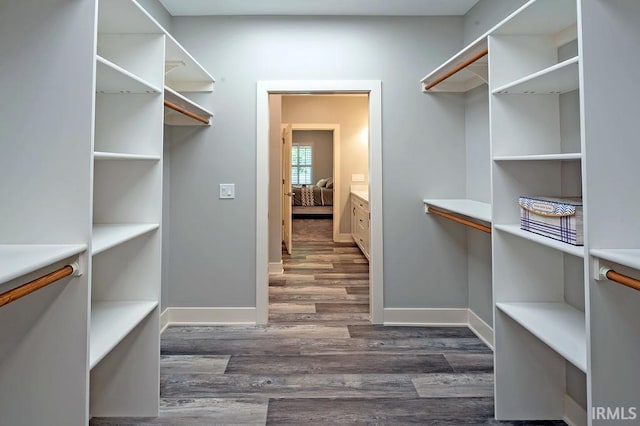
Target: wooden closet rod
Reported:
point(461, 220)
point(28, 288)
point(625, 280)
point(186, 112)
point(457, 68)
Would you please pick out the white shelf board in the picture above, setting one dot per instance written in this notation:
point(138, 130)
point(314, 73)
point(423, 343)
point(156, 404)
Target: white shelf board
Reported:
point(182, 71)
point(175, 118)
point(98, 155)
point(17, 260)
point(470, 208)
point(106, 236)
point(574, 156)
point(111, 322)
point(539, 17)
point(125, 17)
point(515, 230)
point(111, 78)
point(558, 325)
point(557, 79)
point(466, 79)
point(625, 257)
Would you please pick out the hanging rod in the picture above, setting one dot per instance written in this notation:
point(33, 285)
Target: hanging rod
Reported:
point(619, 278)
point(457, 68)
point(45, 280)
point(461, 220)
point(185, 111)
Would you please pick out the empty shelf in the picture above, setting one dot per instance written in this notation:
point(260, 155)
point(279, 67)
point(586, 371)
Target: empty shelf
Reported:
point(469, 208)
point(560, 326)
point(541, 17)
point(540, 157)
point(111, 322)
point(122, 156)
point(125, 17)
point(17, 260)
point(182, 71)
point(106, 236)
point(462, 72)
point(560, 78)
point(515, 230)
point(625, 257)
point(187, 117)
point(111, 78)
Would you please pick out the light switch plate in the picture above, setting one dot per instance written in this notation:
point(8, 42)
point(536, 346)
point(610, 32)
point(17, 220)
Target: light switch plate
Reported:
point(357, 178)
point(227, 190)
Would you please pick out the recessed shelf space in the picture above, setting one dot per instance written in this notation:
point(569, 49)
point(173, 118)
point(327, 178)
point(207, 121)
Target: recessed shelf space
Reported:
point(111, 322)
point(111, 78)
point(555, 80)
point(464, 71)
point(182, 71)
point(515, 230)
point(558, 325)
point(182, 111)
point(17, 260)
point(574, 156)
point(98, 155)
point(625, 257)
point(106, 236)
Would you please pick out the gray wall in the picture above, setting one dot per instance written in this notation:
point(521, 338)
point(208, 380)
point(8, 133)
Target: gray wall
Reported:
point(322, 146)
point(159, 13)
point(213, 241)
point(485, 14)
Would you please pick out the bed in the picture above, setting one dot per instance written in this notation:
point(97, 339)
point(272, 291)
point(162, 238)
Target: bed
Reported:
point(313, 200)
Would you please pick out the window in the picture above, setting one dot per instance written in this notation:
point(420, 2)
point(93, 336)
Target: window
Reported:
point(301, 164)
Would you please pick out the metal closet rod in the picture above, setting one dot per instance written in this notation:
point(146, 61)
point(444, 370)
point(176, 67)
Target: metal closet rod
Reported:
point(461, 220)
point(185, 111)
point(457, 68)
point(45, 280)
point(619, 278)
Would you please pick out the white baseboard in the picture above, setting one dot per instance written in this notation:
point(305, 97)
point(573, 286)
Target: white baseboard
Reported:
point(425, 316)
point(164, 320)
point(481, 329)
point(208, 316)
point(344, 238)
point(574, 414)
point(276, 267)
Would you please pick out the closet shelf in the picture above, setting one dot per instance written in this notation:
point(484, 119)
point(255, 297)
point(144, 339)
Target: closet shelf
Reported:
point(468, 208)
point(106, 236)
point(125, 17)
point(111, 322)
point(574, 156)
point(464, 71)
point(515, 230)
point(98, 155)
point(181, 111)
point(557, 79)
point(182, 71)
point(558, 325)
point(17, 260)
point(111, 78)
point(625, 257)
point(556, 18)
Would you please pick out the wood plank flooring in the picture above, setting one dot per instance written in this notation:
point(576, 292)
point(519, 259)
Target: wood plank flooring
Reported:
point(319, 361)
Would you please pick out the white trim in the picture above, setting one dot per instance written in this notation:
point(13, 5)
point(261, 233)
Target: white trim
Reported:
point(336, 166)
point(374, 89)
point(574, 413)
point(164, 320)
point(209, 316)
point(426, 316)
point(481, 329)
point(276, 267)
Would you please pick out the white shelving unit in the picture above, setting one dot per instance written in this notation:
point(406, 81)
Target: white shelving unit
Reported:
point(541, 157)
point(555, 80)
point(108, 236)
point(515, 230)
point(17, 260)
point(110, 78)
point(120, 156)
point(625, 257)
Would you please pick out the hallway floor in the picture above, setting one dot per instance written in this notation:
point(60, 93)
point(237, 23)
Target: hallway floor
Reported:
point(319, 361)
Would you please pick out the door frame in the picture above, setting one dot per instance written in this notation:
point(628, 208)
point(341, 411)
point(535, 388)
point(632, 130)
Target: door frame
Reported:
point(336, 166)
point(374, 89)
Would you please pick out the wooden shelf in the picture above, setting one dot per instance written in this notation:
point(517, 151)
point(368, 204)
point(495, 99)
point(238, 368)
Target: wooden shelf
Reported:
point(17, 260)
point(182, 71)
point(558, 325)
point(106, 236)
point(469, 77)
point(98, 155)
point(469, 208)
point(625, 257)
point(574, 156)
point(515, 230)
point(111, 322)
point(176, 118)
point(557, 79)
point(111, 78)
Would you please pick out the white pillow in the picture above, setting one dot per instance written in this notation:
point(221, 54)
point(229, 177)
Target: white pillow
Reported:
point(322, 182)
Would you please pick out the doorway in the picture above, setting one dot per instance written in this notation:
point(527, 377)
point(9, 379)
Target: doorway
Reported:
point(373, 90)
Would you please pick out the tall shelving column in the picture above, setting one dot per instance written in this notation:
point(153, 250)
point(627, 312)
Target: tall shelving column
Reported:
point(46, 78)
point(127, 211)
point(540, 324)
point(610, 35)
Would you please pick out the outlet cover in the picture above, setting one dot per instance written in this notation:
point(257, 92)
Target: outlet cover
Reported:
point(227, 190)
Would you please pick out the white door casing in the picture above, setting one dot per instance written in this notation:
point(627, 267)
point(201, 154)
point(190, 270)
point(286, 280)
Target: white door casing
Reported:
point(287, 195)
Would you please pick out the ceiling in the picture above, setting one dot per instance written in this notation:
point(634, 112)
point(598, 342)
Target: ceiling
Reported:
point(319, 7)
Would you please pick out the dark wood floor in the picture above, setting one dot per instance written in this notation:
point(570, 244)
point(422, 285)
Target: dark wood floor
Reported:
point(319, 361)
